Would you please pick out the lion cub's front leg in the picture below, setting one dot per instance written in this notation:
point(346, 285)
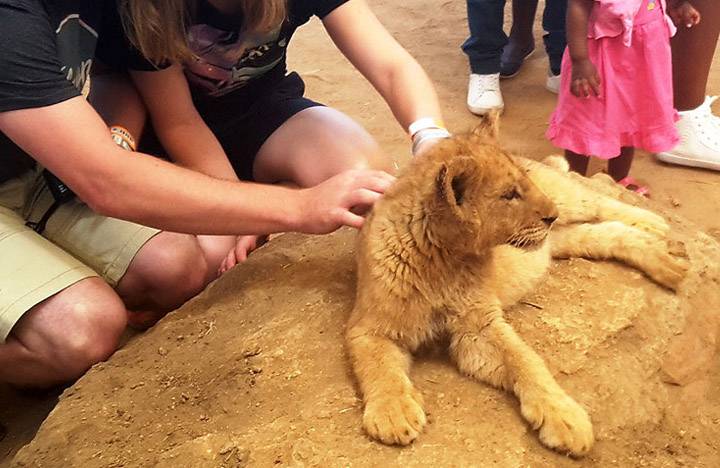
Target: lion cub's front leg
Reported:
point(393, 407)
point(613, 240)
point(490, 351)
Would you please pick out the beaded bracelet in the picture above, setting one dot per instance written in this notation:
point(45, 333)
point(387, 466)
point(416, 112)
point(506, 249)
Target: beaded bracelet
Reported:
point(122, 137)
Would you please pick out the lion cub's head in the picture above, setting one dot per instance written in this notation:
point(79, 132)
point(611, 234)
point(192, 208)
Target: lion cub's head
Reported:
point(480, 198)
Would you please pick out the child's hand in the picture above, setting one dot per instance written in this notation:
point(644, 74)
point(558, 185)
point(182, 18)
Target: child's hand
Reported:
point(244, 246)
point(684, 14)
point(585, 79)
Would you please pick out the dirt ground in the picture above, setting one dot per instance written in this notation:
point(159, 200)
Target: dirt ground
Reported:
point(251, 398)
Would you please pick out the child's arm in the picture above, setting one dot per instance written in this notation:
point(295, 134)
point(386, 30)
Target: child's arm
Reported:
point(585, 79)
point(683, 13)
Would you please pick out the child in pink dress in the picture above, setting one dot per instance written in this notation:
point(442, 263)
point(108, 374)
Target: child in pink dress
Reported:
point(616, 91)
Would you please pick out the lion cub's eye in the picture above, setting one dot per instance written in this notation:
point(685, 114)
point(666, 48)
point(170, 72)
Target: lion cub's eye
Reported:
point(511, 194)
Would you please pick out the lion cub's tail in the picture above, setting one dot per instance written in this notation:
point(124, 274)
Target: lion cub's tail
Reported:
point(489, 126)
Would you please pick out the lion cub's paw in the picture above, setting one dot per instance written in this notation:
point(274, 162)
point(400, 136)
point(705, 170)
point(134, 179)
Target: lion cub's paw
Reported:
point(558, 162)
point(564, 425)
point(657, 227)
point(669, 268)
point(605, 178)
point(646, 221)
point(395, 420)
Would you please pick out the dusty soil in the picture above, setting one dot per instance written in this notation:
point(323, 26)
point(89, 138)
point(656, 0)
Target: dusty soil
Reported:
point(253, 370)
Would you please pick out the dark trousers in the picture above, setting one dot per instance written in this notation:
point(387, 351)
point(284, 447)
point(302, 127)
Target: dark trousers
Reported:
point(487, 38)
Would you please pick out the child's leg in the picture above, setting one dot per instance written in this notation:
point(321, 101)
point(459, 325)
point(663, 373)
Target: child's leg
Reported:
point(619, 167)
point(693, 51)
point(578, 162)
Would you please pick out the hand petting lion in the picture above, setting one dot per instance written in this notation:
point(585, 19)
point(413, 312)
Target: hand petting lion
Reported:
point(465, 232)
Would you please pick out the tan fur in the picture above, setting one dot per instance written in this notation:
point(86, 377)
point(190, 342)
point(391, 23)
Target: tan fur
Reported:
point(463, 234)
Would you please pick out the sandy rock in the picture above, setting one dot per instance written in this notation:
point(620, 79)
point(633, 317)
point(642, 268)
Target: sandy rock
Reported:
point(269, 384)
point(208, 451)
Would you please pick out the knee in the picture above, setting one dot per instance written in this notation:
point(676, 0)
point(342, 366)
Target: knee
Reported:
point(171, 266)
point(91, 335)
point(86, 346)
point(358, 151)
point(215, 249)
point(365, 153)
point(59, 339)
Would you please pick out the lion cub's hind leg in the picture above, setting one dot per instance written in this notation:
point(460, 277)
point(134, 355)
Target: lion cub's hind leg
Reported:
point(614, 240)
point(493, 353)
point(393, 411)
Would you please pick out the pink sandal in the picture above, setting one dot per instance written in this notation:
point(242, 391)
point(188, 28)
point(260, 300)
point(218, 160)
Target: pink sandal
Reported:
point(631, 184)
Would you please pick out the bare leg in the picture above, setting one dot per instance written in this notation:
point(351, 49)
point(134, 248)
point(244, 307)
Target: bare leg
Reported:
point(493, 353)
point(393, 407)
point(59, 339)
point(578, 162)
point(693, 50)
point(692, 55)
point(613, 240)
point(309, 148)
point(166, 272)
point(313, 146)
point(169, 270)
point(619, 167)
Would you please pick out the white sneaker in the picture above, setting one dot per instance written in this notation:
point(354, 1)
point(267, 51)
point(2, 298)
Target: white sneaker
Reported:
point(484, 94)
point(709, 100)
point(699, 139)
point(552, 83)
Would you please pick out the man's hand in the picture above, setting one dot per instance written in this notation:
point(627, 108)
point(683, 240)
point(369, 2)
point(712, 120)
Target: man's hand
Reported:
point(683, 14)
point(341, 200)
point(585, 79)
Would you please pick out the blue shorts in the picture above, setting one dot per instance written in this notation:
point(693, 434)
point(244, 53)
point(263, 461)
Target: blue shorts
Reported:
point(243, 127)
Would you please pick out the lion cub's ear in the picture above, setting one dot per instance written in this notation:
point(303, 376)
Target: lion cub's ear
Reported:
point(489, 126)
point(453, 180)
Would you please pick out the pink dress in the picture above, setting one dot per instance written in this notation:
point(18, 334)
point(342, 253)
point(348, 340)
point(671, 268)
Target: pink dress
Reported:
point(629, 44)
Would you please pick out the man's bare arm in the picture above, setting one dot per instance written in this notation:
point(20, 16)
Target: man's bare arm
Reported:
point(72, 141)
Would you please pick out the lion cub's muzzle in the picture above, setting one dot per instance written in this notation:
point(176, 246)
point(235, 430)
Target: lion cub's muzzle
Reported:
point(531, 237)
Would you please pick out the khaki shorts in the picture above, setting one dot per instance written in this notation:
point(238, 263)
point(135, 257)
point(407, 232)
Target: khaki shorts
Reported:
point(76, 244)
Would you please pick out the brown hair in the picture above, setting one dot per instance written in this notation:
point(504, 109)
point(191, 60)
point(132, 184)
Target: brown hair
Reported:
point(158, 28)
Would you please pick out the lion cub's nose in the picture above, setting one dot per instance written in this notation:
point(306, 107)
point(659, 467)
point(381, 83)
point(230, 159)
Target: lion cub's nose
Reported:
point(549, 220)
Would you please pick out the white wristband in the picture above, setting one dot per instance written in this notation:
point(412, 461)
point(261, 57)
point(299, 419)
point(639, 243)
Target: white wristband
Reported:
point(425, 135)
point(422, 124)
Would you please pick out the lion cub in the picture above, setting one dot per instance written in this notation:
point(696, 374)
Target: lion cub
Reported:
point(464, 233)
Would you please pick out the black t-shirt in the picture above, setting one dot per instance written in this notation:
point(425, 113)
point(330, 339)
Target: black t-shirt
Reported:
point(233, 67)
point(46, 50)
